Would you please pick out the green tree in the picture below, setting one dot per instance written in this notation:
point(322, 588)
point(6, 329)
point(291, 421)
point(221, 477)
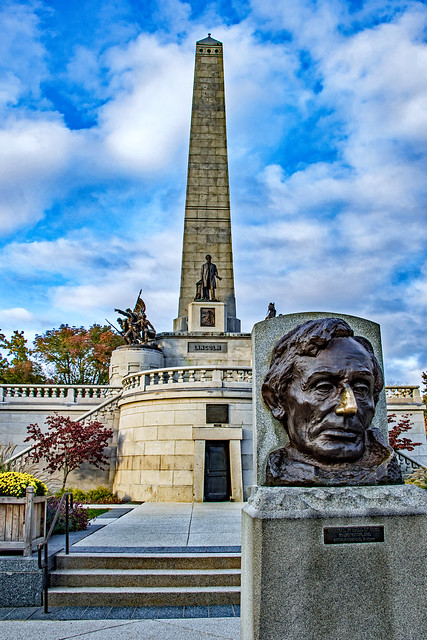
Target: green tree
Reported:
point(18, 367)
point(75, 355)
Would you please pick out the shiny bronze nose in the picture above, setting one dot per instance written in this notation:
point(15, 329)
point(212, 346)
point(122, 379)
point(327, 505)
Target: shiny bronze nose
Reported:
point(348, 404)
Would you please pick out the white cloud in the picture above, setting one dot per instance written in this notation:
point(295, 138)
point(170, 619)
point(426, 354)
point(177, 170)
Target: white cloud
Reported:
point(22, 55)
point(71, 256)
point(97, 277)
point(17, 315)
point(332, 233)
point(148, 120)
point(33, 154)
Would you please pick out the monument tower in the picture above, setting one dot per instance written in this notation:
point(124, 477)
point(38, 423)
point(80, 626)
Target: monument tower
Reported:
point(185, 424)
point(207, 225)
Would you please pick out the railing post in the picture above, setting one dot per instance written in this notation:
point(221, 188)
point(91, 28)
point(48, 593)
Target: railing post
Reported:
point(70, 395)
point(28, 526)
point(1, 394)
point(46, 579)
point(67, 524)
point(416, 395)
point(217, 376)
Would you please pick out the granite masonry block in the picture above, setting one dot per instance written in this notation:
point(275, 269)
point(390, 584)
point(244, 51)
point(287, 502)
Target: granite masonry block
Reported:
point(196, 612)
point(158, 612)
point(21, 581)
point(18, 613)
point(221, 611)
point(359, 587)
point(121, 613)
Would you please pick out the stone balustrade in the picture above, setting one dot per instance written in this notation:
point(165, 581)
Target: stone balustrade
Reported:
point(405, 393)
point(109, 404)
point(73, 393)
point(219, 376)
point(204, 376)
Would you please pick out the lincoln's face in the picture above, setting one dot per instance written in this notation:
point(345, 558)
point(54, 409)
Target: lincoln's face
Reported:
point(329, 403)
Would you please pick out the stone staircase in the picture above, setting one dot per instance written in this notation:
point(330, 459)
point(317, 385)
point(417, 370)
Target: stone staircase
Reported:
point(170, 579)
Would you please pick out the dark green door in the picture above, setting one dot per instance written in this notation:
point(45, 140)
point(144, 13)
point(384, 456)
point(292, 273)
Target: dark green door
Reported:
point(217, 471)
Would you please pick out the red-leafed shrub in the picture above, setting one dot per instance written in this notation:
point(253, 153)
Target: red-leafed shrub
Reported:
point(67, 444)
point(402, 426)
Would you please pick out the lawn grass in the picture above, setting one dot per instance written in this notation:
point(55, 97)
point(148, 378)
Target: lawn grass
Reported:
point(93, 513)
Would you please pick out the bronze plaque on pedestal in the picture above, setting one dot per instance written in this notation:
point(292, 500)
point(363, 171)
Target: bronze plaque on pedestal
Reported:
point(345, 535)
point(207, 317)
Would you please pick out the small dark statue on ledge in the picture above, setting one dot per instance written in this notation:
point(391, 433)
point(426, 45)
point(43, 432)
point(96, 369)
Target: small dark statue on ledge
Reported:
point(135, 327)
point(271, 312)
point(205, 287)
point(323, 386)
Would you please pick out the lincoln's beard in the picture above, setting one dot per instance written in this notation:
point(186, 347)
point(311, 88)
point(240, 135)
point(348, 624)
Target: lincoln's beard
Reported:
point(331, 440)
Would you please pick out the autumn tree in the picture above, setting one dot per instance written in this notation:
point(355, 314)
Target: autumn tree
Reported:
point(17, 367)
point(402, 426)
point(67, 444)
point(75, 355)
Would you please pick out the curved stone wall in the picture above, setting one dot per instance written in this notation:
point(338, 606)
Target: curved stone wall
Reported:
point(161, 442)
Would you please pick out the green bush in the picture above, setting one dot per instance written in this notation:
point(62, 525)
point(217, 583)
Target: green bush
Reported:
point(100, 495)
point(418, 477)
point(14, 484)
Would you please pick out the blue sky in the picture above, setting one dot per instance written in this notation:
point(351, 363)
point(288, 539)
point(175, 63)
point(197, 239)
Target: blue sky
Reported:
point(327, 138)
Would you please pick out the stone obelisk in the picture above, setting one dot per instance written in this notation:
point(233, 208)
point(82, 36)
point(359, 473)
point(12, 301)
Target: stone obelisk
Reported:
point(207, 226)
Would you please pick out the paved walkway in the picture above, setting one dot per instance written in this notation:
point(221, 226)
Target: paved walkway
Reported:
point(198, 629)
point(150, 527)
point(169, 526)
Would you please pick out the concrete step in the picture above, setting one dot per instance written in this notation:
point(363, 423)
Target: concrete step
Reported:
point(145, 578)
point(143, 596)
point(166, 561)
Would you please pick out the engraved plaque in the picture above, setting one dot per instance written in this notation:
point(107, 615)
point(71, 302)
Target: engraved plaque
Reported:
point(345, 535)
point(217, 413)
point(200, 347)
point(207, 317)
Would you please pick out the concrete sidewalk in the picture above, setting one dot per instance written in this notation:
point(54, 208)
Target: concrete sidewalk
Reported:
point(197, 629)
point(160, 525)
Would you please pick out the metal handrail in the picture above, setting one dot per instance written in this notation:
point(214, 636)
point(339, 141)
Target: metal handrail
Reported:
point(408, 461)
point(44, 545)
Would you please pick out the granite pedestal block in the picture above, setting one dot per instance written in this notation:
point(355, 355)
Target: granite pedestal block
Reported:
point(314, 566)
point(207, 316)
point(21, 582)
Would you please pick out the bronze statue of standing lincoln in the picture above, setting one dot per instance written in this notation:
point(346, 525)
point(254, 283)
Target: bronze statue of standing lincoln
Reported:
point(323, 385)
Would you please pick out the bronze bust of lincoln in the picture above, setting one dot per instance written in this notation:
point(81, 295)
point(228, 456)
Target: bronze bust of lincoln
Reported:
point(323, 385)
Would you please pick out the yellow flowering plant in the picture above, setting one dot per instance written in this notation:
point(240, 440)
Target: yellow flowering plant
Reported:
point(14, 484)
point(418, 477)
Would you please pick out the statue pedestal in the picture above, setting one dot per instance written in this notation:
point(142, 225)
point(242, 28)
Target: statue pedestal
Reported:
point(207, 316)
point(341, 563)
point(131, 358)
